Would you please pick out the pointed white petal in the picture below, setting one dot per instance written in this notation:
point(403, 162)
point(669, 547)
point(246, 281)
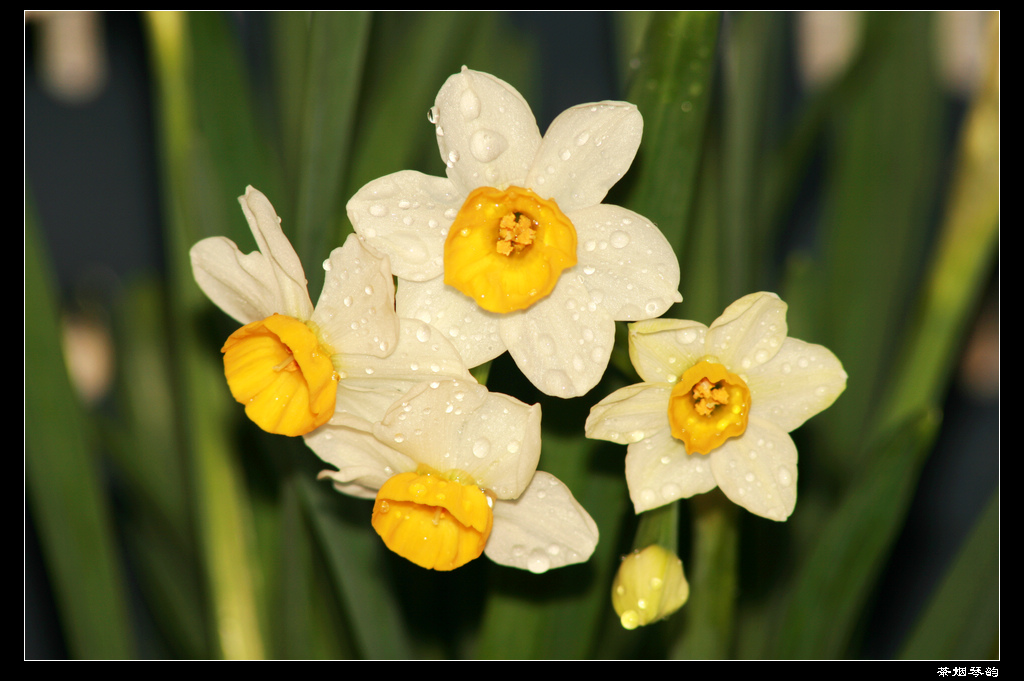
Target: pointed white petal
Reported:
point(585, 151)
point(363, 463)
point(800, 381)
point(662, 349)
point(758, 470)
point(459, 425)
point(562, 343)
point(242, 285)
point(630, 414)
point(659, 471)
point(275, 247)
point(486, 132)
point(370, 385)
point(626, 262)
point(356, 310)
point(544, 528)
point(472, 330)
point(406, 217)
point(749, 333)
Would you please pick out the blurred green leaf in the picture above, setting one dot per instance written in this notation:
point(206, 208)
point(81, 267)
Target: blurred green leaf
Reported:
point(63, 484)
point(835, 579)
point(322, 126)
point(353, 551)
point(881, 183)
point(962, 619)
point(194, 208)
point(671, 85)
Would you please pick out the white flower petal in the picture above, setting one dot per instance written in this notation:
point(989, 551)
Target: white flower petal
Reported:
point(275, 247)
point(406, 216)
point(356, 310)
point(254, 286)
point(802, 380)
point(659, 471)
point(561, 343)
point(486, 132)
point(630, 414)
point(369, 385)
point(758, 470)
point(585, 151)
point(459, 425)
point(363, 462)
point(625, 262)
point(544, 528)
point(242, 285)
point(663, 349)
point(472, 330)
point(749, 333)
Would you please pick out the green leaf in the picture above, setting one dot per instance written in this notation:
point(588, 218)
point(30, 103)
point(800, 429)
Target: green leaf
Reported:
point(962, 619)
point(835, 579)
point(68, 503)
point(671, 85)
point(352, 550)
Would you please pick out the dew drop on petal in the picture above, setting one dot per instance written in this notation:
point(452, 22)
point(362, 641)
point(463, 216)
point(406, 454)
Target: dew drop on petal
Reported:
point(487, 145)
point(469, 105)
point(619, 239)
point(538, 562)
point(785, 477)
point(481, 448)
point(327, 265)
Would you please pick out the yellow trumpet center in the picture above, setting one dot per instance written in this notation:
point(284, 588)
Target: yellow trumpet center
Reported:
point(708, 405)
point(283, 374)
point(507, 248)
point(437, 521)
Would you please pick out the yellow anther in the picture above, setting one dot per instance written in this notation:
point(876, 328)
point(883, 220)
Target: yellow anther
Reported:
point(283, 374)
point(432, 519)
point(515, 233)
point(507, 248)
point(708, 405)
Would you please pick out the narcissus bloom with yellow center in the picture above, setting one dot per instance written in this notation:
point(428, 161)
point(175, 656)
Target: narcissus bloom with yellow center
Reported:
point(716, 407)
point(292, 365)
point(514, 249)
point(453, 472)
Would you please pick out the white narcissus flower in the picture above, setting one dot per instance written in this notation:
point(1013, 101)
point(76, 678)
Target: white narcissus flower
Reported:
point(716, 407)
point(453, 469)
point(293, 365)
point(514, 249)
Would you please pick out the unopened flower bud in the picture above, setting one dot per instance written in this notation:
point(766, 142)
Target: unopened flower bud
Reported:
point(649, 586)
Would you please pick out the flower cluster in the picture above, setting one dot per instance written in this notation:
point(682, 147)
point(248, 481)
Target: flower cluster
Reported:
point(512, 250)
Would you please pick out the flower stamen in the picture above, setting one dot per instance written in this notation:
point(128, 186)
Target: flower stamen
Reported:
point(515, 233)
point(708, 405)
point(507, 248)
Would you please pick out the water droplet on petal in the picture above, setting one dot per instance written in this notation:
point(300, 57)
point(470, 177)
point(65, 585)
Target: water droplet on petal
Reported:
point(538, 562)
point(481, 448)
point(619, 239)
point(469, 105)
point(486, 145)
point(327, 265)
